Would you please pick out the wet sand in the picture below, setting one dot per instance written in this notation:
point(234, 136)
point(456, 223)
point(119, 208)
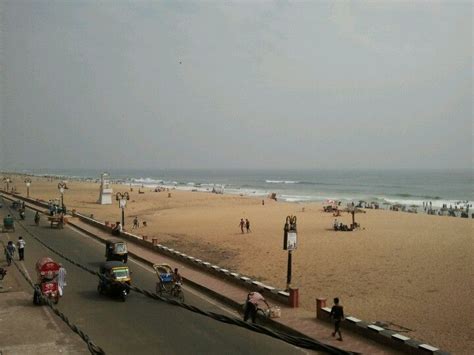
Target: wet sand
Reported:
point(414, 270)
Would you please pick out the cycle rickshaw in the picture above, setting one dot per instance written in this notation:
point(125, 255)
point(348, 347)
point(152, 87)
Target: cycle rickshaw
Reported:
point(167, 285)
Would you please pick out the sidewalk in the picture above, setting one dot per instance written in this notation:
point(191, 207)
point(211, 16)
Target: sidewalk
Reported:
point(28, 329)
point(299, 320)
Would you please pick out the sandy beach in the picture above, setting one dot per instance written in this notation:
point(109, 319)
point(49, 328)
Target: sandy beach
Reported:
point(414, 270)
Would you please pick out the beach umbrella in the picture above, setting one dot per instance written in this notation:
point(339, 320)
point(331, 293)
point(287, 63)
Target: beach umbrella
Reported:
point(353, 210)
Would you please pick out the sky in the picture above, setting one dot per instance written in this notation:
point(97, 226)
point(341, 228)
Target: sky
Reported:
point(235, 84)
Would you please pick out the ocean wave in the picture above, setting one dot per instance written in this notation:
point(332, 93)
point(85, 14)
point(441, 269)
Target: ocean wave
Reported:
point(281, 182)
point(406, 195)
point(147, 181)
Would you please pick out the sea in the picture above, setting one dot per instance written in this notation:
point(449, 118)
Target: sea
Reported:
point(385, 187)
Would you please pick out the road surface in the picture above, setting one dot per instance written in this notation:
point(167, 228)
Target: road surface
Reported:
point(140, 325)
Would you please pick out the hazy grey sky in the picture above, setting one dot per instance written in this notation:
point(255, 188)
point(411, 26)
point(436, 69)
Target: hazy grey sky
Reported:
point(247, 84)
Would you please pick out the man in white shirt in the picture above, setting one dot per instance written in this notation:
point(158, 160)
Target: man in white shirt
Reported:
point(61, 279)
point(21, 248)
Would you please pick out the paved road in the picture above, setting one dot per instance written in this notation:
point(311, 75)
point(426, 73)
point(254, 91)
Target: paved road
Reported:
point(140, 325)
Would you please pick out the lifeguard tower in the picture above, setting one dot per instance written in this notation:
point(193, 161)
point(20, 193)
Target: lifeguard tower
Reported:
point(106, 191)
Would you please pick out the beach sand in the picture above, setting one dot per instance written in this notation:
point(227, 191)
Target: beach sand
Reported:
point(414, 270)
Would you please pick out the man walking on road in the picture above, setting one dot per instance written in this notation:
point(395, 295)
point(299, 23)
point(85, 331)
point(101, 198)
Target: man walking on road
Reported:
point(61, 279)
point(9, 251)
point(21, 248)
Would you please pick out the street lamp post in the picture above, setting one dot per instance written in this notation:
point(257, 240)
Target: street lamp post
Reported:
point(122, 199)
point(7, 180)
point(28, 184)
point(289, 243)
point(61, 187)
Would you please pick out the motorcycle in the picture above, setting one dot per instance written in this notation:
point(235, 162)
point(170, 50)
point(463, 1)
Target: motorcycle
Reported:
point(22, 215)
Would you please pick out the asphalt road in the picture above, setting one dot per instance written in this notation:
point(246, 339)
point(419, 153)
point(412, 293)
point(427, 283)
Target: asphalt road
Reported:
point(140, 325)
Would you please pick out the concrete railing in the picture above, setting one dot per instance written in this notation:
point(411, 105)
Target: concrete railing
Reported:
point(289, 298)
point(377, 333)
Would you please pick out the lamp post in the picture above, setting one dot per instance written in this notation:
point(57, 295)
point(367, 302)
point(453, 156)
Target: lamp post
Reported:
point(122, 199)
point(289, 243)
point(28, 184)
point(61, 187)
point(7, 181)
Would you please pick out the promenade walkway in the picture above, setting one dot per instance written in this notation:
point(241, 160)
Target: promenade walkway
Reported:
point(297, 319)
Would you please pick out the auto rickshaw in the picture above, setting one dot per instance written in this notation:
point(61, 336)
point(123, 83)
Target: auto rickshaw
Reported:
point(47, 282)
point(114, 279)
point(116, 249)
point(8, 224)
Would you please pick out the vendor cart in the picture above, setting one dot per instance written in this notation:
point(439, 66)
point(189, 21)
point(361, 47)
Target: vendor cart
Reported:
point(47, 283)
point(56, 221)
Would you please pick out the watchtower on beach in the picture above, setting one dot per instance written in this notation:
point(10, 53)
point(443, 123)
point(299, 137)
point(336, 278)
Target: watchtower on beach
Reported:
point(106, 191)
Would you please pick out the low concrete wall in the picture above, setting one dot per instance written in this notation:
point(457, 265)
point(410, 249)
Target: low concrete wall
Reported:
point(241, 280)
point(379, 334)
point(234, 277)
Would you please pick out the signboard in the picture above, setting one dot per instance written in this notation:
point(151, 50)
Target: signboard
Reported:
point(291, 240)
point(122, 203)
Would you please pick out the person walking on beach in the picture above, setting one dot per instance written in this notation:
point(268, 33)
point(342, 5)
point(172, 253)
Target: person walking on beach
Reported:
point(247, 225)
point(21, 248)
point(337, 313)
point(242, 225)
point(136, 224)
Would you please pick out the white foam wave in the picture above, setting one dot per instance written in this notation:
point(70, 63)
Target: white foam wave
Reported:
point(281, 182)
point(147, 181)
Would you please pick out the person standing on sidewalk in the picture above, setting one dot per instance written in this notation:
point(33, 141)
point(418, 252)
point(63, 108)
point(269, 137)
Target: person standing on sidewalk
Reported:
point(337, 313)
point(21, 248)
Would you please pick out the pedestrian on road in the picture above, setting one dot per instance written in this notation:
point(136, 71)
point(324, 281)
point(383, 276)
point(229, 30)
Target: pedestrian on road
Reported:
point(247, 225)
point(9, 252)
point(251, 305)
point(21, 248)
point(61, 279)
point(242, 225)
point(337, 313)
